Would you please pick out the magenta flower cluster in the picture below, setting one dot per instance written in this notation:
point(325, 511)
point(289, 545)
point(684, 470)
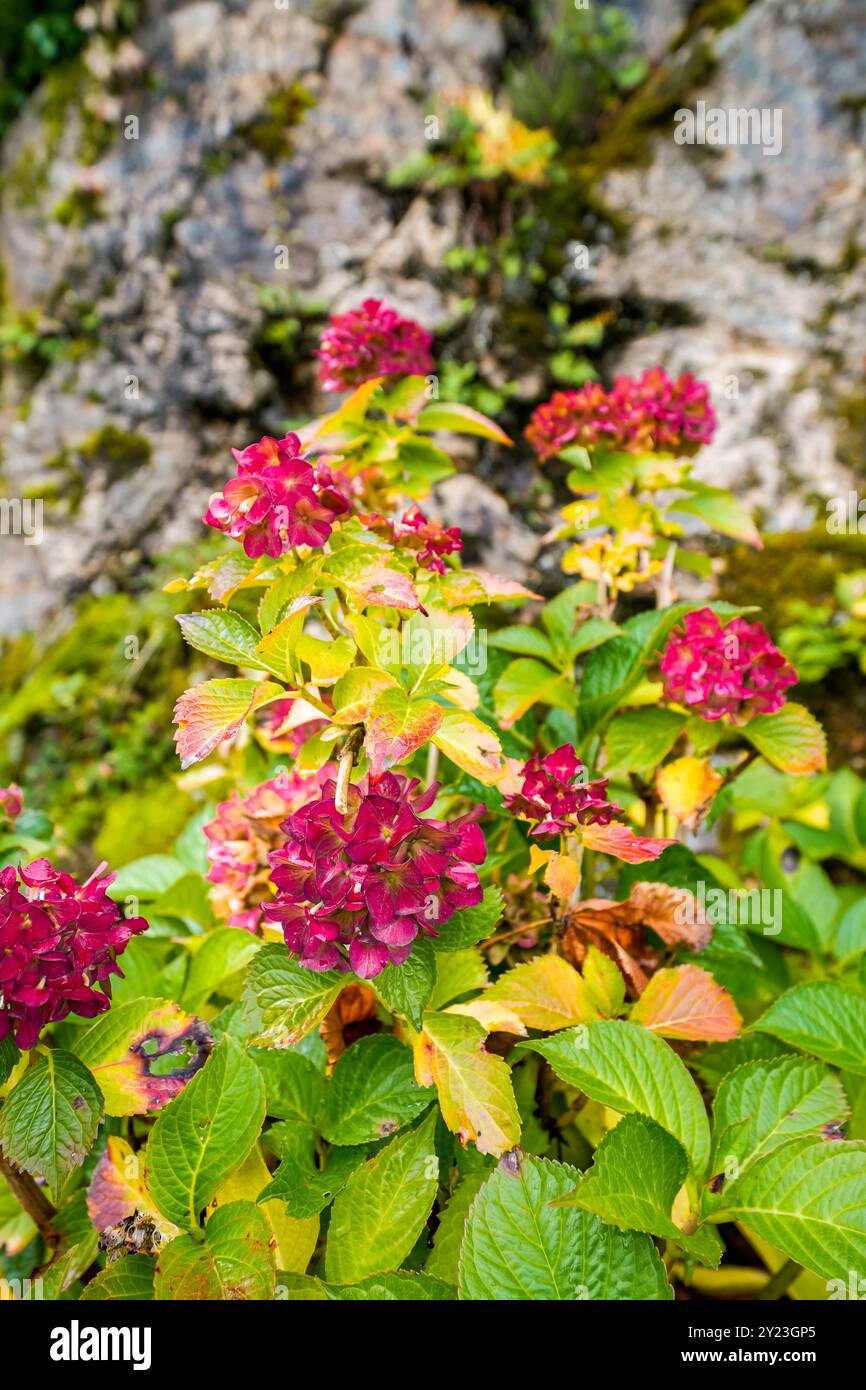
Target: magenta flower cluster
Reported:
point(372, 341)
point(354, 891)
point(652, 413)
point(59, 943)
point(414, 531)
point(716, 671)
point(242, 835)
point(278, 499)
point(557, 794)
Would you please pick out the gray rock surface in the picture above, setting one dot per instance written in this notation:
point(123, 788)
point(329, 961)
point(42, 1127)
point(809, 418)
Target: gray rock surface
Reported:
point(755, 259)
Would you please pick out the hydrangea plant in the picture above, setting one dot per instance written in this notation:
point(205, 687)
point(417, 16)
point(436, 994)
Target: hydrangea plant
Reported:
point(463, 944)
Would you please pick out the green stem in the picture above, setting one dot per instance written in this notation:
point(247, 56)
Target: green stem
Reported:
point(31, 1197)
point(781, 1281)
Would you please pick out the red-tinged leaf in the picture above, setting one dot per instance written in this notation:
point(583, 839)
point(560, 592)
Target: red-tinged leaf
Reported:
point(357, 691)
point(386, 588)
point(215, 710)
point(689, 1004)
point(396, 727)
point(791, 739)
point(622, 843)
point(470, 744)
point(497, 587)
point(462, 419)
point(117, 1190)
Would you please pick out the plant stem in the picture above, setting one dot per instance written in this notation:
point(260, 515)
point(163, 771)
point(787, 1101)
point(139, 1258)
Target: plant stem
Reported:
point(781, 1281)
point(344, 772)
point(31, 1197)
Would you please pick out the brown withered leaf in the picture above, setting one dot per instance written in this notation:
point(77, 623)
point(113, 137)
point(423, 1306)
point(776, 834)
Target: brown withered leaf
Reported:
point(619, 929)
point(353, 1015)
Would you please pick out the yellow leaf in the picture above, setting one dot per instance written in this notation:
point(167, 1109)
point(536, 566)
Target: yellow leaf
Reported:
point(687, 787)
point(545, 993)
point(562, 876)
point(604, 982)
point(295, 1237)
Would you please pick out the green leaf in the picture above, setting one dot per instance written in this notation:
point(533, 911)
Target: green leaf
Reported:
point(9, 1055)
point(445, 1255)
point(207, 1132)
point(718, 509)
point(283, 1002)
point(186, 899)
point(295, 1086)
point(458, 973)
point(822, 1018)
point(130, 1278)
point(372, 1092)
point(401, 1287)
point(628, 1068)
point(762, 1104)
point(806, 1198)
point(525, 641)
point(140, 1054)
point(381, 1211)
point(50, 1118)
point(220, 955)
point(234, 1261)
point(224, 635)
point(633, 1183)
point(791, 739)
point(462, 419)
point(518, 1247)
point(527, 682)
point(279, 648)
point(470, 925)
point(406, 989)
point(639, 740)
point(306, 1190)
point(850, 936)
point(279, 596)
point(146, 878)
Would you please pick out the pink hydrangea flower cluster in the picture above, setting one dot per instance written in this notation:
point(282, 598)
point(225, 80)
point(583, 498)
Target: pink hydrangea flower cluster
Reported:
point(557, 794)
point(372, 341)
point(354, 891)
point(650, 413)
point(11, 802)
point(716, 671)
point(242, 836)
point(59, 943)
point(278, 499)
point(415, 532)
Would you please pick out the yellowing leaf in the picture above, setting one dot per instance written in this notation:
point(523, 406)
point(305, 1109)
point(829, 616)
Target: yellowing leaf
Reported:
point(356, 691)
point(688, 1003)
point(296, 1237)
point(562, 875)
point(473, 1085)
point(545, 993)
point(327, 658)
point(791, 739)
point(143, 1053)
point(526, 682)
point(687, 787)
point(605, 984)
point(493, 1017)
point(470, 744)
point(396, 727)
